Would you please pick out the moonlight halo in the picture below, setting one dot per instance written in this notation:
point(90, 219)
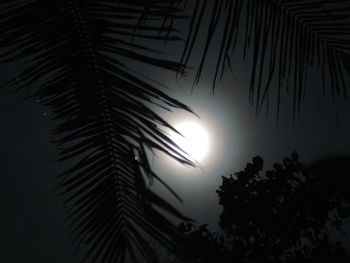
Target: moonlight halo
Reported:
point(194, 139)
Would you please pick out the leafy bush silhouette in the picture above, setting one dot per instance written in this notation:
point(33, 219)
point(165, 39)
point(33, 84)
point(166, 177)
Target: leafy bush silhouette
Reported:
point(283, 215)
point(338, 167)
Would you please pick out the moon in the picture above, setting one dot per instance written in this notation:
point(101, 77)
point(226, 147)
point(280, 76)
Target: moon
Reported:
point(194, 140)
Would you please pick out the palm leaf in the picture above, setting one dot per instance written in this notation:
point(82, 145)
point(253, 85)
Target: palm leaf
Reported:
point(77, 58)
point(284, 41)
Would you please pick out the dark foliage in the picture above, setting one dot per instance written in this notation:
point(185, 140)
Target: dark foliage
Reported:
point(76, 55)
point(284, 215)
point(283, 40)
point(206, 247)
point(335, 172)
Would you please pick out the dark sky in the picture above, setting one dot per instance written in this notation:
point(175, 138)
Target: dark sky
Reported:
point(31, 222)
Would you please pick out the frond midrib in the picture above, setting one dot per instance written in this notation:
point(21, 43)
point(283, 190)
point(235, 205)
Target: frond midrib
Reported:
point(83, 30)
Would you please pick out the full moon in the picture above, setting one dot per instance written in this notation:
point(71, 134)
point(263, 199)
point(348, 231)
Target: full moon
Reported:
point(194, 140)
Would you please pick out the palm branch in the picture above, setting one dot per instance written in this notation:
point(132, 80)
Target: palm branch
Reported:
point(284, 41)
point(77, 57)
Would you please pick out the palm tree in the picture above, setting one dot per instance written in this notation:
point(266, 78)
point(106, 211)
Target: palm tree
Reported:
point(283, 41)
point(77, 56)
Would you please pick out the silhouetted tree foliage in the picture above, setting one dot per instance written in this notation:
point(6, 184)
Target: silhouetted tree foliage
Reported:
point(338, 169)
point(286, 214)
point(204, 246)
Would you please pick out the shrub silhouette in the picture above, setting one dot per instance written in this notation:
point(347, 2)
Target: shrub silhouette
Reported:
point(283, 215)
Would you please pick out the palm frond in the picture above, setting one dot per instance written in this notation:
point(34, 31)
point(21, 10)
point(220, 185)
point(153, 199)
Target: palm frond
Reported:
point(286, 40)
point(77, 57)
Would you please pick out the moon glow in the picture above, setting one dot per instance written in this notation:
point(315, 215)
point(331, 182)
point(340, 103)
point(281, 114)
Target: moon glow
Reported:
point(194, 140)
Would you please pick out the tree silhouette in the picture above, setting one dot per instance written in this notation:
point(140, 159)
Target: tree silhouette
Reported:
point(75, 57)
point(336, 167)
point(284, 215)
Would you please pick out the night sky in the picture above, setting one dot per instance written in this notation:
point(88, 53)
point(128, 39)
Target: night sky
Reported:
point(31, 223)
